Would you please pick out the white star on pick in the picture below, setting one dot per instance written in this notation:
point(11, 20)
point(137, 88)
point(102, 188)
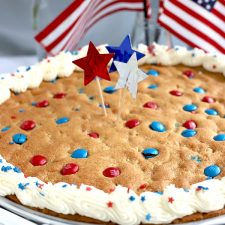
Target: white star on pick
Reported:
point(130, 75)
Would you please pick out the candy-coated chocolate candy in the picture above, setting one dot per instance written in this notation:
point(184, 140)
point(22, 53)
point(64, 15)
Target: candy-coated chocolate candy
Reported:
point(150, 153)
point(153, 73)
point(219, 137)
point(176, 93)
point(70, 168)
point(4, 129)
point(211, 112)
point(28, 125)
point(188, 133)
point(132, 123)
point(190, 124)
point(42, 104)
point(111, 172)
point(157, 126)
point(38, 160)
point(19, 138)
point(199, 90)
point(189, 73)
point(190, 107)
point(94, 135)
point(62, 120)
point(60, 95)
point(109, 90)
point(212, 171)
point(208, 99)
point(153, 86)
point(80, 153)
point(150, 105)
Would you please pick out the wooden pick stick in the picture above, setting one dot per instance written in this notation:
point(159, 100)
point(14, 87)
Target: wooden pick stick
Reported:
point(121, 102)
point(101, 96)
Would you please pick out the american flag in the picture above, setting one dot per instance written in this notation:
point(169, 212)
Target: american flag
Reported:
point(199, 23)
point(68, 28)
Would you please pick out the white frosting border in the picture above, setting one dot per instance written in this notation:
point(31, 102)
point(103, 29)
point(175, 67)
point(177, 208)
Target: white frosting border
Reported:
point(127, 207)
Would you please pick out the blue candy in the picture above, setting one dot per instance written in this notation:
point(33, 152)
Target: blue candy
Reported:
point(109, 90)
point(190, 107)
point(188, 133)
point(153, 73)
point(150, 153)
point(199, 90)
point(211, 112)
point(62, 120)
point(5, 129)
point(212, 171)
point(219, 137)
point(157, 126)
point(153, 86)
point(19, 138)
point(80, 153)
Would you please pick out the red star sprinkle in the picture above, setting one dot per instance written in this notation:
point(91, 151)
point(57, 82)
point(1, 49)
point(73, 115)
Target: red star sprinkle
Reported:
point(170, 200)
point(88, 189)
point(94, 64)
point(40, 186)
point(110, 204)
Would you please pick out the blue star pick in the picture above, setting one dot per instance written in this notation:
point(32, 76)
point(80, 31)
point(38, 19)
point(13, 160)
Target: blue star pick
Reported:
point(123, 52)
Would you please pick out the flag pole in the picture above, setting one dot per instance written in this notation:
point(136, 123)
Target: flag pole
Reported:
point(146, 24)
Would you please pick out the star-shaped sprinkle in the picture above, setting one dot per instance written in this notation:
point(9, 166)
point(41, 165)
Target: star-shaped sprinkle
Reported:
point(110, 204)
point(130, 75)
point(88, 188)
point(148, 217)
point(94, 64)
point(123, 52)
point(143, 198)
point(132, 198)
point(170, 200)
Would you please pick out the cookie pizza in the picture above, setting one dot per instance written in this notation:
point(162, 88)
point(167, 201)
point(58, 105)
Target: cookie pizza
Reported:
point(160, 162)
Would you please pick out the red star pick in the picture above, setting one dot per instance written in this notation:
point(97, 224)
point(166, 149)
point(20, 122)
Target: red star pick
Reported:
point(94, 64)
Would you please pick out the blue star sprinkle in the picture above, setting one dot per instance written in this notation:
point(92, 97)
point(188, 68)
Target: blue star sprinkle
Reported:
point(123, 52)
point(143, 198)
point(6, 168)
point(148, 217)
point(22, 186)
point(132, 198)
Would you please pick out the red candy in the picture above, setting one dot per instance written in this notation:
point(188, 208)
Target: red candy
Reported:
point(42, 104)
point(38, 160)
point(150, 105)
point(176, 93)
point(70, 168)
point(208, 99)
point(60, 95)
point(111, 172)
point(94, 135)
point(132, 123)
point(189, 73)
point(190, 124)
point(28, 125)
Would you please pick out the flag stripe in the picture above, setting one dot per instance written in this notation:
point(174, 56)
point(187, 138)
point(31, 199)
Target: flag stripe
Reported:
point(114, 7)
point(194, 30)
point(85, 16)
point(182, 33)
point(106, 14)
point(62, 17)
point(196, 17)
point(204, 13)
point(69, 27)
point(195, 25)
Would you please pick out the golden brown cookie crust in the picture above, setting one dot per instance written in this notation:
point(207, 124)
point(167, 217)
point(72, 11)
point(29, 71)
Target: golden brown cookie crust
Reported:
point(119, 146)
